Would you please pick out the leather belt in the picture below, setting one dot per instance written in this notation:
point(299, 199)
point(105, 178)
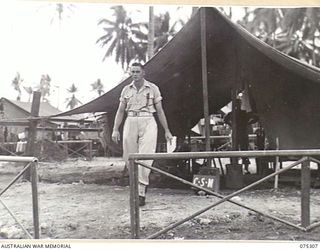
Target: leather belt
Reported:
point(139, 114)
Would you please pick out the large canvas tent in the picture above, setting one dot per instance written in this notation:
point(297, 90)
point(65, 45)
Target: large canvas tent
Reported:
point(283, 91)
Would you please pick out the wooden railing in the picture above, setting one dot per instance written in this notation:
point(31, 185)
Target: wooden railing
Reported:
point(31, 163)
point(306, 158)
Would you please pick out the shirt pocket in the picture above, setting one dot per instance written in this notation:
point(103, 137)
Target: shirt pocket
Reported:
point(128, 97)
point(149, 98)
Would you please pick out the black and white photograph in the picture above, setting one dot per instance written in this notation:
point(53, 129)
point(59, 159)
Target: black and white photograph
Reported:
point(173, 123)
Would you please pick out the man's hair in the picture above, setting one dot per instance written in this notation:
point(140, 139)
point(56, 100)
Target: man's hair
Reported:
point(138, 65)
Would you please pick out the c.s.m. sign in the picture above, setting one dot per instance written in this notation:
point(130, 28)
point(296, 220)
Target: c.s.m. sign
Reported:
point(206, 181)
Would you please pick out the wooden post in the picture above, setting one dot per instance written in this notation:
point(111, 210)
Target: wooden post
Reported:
point(234, 125)
point(32, 133)
point(89, 146)
point(205, 80)
point(35, 202)
point(134, 200)
point(305, 193)
point(136, 197)
point(234, 176)
point(277, 167)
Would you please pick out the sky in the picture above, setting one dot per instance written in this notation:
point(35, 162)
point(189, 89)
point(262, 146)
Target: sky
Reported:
point(34, 42)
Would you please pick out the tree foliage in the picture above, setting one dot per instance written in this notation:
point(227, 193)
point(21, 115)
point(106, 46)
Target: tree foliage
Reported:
point(294, 31)
point(98, 86)
point(61, 11)
point(129, 40)
point(123, 37)
point(16, 83)
point(72, 101)
point(163, 31)
point(44, 86)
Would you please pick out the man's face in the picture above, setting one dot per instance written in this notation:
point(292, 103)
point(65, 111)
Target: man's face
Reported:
point(137, 73)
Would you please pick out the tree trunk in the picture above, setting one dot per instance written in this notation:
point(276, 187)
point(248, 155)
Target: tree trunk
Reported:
point(230, 12)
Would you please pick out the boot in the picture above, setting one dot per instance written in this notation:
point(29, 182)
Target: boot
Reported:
point(142, 201)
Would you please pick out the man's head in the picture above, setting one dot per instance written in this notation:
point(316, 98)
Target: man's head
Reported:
point(137, 71)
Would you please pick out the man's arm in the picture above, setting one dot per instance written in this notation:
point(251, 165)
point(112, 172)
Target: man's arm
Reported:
point(117, 122)
point(163, 121)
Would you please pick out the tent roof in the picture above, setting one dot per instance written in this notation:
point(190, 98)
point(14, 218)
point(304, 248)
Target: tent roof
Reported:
point(283, 90)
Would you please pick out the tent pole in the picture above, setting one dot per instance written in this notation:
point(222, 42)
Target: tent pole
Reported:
point(205, 80)
point(151, 33)
point(234, 160)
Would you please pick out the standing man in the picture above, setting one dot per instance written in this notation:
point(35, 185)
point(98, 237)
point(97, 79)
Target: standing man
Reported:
point(140, 100)
point(243, 120)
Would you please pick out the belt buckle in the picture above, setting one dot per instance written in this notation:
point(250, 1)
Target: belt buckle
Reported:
point(135, 113)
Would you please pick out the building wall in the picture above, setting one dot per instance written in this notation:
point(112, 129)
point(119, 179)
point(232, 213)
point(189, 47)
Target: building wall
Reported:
point(13, 112)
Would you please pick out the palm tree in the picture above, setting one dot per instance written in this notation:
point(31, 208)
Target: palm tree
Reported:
point(16, 83)
point(72, 101)
point(163, 31)
point(61, 11)
point(123, 37)
point(159, 31)
point(98, 86)
point(44, 86)
point(129, 41)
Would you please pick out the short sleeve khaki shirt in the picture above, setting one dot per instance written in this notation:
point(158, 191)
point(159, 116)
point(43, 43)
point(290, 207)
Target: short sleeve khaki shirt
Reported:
point(142, 100)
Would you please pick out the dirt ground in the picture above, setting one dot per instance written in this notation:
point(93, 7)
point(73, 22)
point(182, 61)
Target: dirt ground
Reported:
point(78, 201)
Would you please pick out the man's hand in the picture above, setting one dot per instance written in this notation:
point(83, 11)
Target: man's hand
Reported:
point(116, 136)
point(168, 136)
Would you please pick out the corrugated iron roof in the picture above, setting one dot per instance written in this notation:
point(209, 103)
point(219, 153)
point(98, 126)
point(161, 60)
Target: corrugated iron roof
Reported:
point(46, 109)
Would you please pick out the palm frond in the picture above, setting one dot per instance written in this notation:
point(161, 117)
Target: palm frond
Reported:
point(106, 21)
point(293, 19)
point(111, 48)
